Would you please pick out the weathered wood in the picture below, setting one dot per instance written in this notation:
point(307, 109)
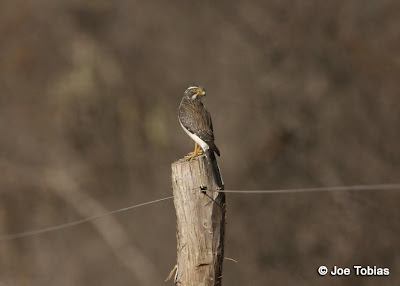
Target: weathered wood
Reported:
point(200, 222)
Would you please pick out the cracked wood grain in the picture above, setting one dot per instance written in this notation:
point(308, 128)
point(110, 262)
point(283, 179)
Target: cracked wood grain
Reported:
point(200, 222)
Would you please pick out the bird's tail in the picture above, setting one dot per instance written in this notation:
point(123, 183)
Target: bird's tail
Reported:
point(210, 156)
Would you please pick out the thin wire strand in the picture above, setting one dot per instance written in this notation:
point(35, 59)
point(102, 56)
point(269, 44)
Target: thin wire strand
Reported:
point(321, 189)
point(73, 223)
point(302, 190)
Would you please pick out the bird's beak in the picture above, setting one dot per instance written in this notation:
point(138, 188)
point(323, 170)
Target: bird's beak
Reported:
point(203, 93)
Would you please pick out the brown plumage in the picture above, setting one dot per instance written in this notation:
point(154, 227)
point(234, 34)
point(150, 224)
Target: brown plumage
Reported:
point(196, 120)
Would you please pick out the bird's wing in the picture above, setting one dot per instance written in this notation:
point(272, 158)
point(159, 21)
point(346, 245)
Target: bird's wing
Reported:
point(196, 119)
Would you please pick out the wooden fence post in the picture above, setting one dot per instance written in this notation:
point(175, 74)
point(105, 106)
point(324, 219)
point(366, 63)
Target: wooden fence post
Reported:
point(200, 222)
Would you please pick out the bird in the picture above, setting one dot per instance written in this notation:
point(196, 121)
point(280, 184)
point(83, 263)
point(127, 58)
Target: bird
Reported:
point(196, 122)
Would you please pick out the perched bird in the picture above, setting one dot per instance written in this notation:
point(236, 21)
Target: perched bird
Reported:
point(196, 121)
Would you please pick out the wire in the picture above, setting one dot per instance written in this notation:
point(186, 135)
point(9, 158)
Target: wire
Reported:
point(321, 189)
point(73, 223)
point(202, 188)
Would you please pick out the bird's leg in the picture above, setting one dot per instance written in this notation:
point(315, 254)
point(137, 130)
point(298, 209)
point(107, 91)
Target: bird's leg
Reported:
point(197, 151)
point(194, 153)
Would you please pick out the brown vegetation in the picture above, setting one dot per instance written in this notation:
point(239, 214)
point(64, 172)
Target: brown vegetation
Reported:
point(302, 94)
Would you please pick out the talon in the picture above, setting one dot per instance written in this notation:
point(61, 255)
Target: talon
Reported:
point(197, 151)
point(189, 155)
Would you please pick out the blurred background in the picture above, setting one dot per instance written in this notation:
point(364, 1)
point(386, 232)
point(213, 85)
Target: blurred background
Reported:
point(302, 94)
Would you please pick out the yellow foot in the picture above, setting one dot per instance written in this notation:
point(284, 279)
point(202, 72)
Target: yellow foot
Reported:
point(189, 155)
point(195, 153)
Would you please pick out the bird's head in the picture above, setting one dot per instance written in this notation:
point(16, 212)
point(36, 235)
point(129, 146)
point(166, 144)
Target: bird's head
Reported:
point(195, 92)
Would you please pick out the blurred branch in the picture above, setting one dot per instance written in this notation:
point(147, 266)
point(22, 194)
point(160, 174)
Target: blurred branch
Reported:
point(252, 37)
point(110, 229)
